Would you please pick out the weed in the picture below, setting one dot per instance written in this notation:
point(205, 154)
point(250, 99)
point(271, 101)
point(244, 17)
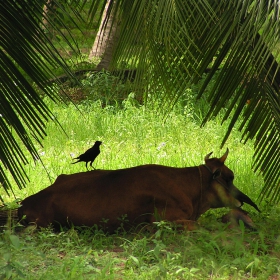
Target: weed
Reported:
point(107, 88)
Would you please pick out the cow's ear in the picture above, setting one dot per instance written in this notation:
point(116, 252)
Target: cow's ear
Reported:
point(217, 174)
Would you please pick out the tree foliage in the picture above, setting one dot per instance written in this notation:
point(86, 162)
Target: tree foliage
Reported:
point(171, 44)
point(27, 60)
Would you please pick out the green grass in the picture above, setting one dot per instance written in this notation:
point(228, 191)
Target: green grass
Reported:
point(133, 136)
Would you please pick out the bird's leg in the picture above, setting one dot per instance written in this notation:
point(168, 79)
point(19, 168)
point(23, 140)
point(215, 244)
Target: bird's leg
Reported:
point(91, 165)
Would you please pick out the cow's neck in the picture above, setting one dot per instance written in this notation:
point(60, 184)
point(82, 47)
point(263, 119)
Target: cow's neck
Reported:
point(207, 167)
point(205, 179)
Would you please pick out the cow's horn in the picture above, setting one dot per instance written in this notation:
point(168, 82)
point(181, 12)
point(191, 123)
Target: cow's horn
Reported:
point(207, 156)
point(224, 157)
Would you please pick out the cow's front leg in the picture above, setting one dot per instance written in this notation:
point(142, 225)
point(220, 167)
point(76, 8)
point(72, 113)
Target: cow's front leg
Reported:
point(187, 224)
point(182, 218)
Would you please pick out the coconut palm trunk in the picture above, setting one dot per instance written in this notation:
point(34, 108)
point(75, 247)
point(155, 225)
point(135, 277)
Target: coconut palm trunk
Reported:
point(46, 14)
point(106, 37)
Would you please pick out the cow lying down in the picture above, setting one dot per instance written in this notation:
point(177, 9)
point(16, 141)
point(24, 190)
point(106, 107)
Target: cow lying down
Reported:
point(142, 194)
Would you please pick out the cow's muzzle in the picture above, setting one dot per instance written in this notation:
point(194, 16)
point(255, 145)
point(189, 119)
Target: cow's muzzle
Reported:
point(242, 197)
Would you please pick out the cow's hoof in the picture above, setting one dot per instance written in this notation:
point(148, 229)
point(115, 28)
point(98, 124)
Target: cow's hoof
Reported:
point(235, 215)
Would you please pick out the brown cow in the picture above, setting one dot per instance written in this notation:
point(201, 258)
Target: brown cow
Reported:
point(142, 193)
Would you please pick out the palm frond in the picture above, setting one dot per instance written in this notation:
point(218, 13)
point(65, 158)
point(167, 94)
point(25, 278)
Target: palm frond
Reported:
point(27, 58)
point(171, 44)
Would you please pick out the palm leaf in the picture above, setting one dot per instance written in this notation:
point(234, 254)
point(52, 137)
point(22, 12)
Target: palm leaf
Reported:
point(172, 43)
point(27, 58)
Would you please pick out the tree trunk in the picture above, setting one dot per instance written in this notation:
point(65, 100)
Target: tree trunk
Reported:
point(105, 39)
point(46, 12)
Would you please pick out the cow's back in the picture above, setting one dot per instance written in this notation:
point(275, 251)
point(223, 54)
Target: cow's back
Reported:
point(88, 198)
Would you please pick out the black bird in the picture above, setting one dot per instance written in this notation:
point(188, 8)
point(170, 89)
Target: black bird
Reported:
point(89, 155)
